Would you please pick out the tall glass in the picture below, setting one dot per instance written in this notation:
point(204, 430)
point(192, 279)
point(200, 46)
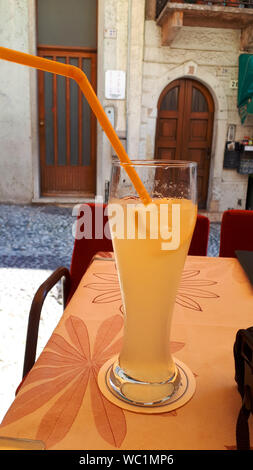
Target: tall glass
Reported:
point(150, 244)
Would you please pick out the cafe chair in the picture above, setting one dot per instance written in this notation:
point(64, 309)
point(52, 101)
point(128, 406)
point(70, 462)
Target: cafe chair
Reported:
point(199, 243)
point(236, 232)
point(60, 274)
point(85, 249)
point(83, 252)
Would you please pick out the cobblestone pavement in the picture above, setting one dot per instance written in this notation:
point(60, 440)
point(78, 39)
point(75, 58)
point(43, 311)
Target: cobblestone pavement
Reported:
point(34, 240)
point(35, 237)
point(214, 240)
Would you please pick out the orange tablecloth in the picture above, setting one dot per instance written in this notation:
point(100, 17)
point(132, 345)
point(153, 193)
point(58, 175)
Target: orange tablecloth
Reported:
point(61, 404)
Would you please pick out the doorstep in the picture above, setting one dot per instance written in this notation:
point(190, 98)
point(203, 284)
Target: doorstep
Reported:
point(70, 201)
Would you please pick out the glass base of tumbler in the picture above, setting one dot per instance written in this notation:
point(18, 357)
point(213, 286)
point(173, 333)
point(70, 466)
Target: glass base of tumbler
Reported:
point(138, 392)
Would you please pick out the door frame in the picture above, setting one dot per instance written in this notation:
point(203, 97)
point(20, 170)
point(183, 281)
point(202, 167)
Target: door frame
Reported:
point(68, 52)
point(190, 69)
point(211, 108)
point(34, 90)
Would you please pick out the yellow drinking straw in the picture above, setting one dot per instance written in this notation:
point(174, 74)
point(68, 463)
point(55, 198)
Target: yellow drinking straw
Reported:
point(79, 76)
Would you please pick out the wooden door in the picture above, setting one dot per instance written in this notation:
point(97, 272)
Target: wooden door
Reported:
point(184, 128)
point(67, 127)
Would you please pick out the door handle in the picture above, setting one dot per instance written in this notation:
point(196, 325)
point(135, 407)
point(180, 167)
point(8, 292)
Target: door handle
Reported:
point(42, 123)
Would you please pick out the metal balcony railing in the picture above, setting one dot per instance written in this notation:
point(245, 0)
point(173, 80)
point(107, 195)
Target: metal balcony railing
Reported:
point(160, 4)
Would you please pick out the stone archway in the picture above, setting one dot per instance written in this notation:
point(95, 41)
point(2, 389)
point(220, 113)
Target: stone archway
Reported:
point(190, 70)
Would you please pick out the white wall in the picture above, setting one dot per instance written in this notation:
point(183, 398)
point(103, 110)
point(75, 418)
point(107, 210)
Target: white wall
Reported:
point(149, 67)
point(112, 55)
point(19, 156)
point(122, 52)
point(17, 148)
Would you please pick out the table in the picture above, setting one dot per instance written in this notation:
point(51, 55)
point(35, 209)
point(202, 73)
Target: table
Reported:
point(61, 404)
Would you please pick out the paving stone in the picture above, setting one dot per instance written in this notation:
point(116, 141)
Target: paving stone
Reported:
point(214, 240)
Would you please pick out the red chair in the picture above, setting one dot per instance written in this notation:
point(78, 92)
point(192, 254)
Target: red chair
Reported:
point(83, 252)
point(236, 232)
point(85, 249)
point(199, 243)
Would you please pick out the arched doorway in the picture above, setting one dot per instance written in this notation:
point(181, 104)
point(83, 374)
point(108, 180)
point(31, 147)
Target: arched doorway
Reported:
point(185, 126)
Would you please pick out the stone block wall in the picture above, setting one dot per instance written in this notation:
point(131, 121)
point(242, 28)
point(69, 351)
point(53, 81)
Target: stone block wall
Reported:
point(205, 54)
point(17, 107)
point(210, 56)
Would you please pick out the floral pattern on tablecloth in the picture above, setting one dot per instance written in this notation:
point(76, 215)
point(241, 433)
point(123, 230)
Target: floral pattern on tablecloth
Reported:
point(67, 367)
point(190, 289)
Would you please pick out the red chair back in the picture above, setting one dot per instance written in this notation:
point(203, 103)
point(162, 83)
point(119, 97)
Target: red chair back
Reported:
point(85, 248)
point(199, 243)
point(236, 232)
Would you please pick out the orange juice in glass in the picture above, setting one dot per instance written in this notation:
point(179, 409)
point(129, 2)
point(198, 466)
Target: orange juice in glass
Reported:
point(150, 244)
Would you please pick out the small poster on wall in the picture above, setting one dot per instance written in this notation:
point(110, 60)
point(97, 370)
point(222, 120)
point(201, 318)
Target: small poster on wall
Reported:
point(115, 84)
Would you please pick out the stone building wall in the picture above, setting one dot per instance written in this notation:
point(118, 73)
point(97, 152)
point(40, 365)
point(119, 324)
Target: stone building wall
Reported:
point(210, 56)
point(112, 55)
point(124, 51)
point(18, 151)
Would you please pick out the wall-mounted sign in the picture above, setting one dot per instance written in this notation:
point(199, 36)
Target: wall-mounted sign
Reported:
point(115, 84)
point(231, 132)
point(109, 111)
point(190, 68)
point(222, 72)
point(234, 84)
point(110, 33)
